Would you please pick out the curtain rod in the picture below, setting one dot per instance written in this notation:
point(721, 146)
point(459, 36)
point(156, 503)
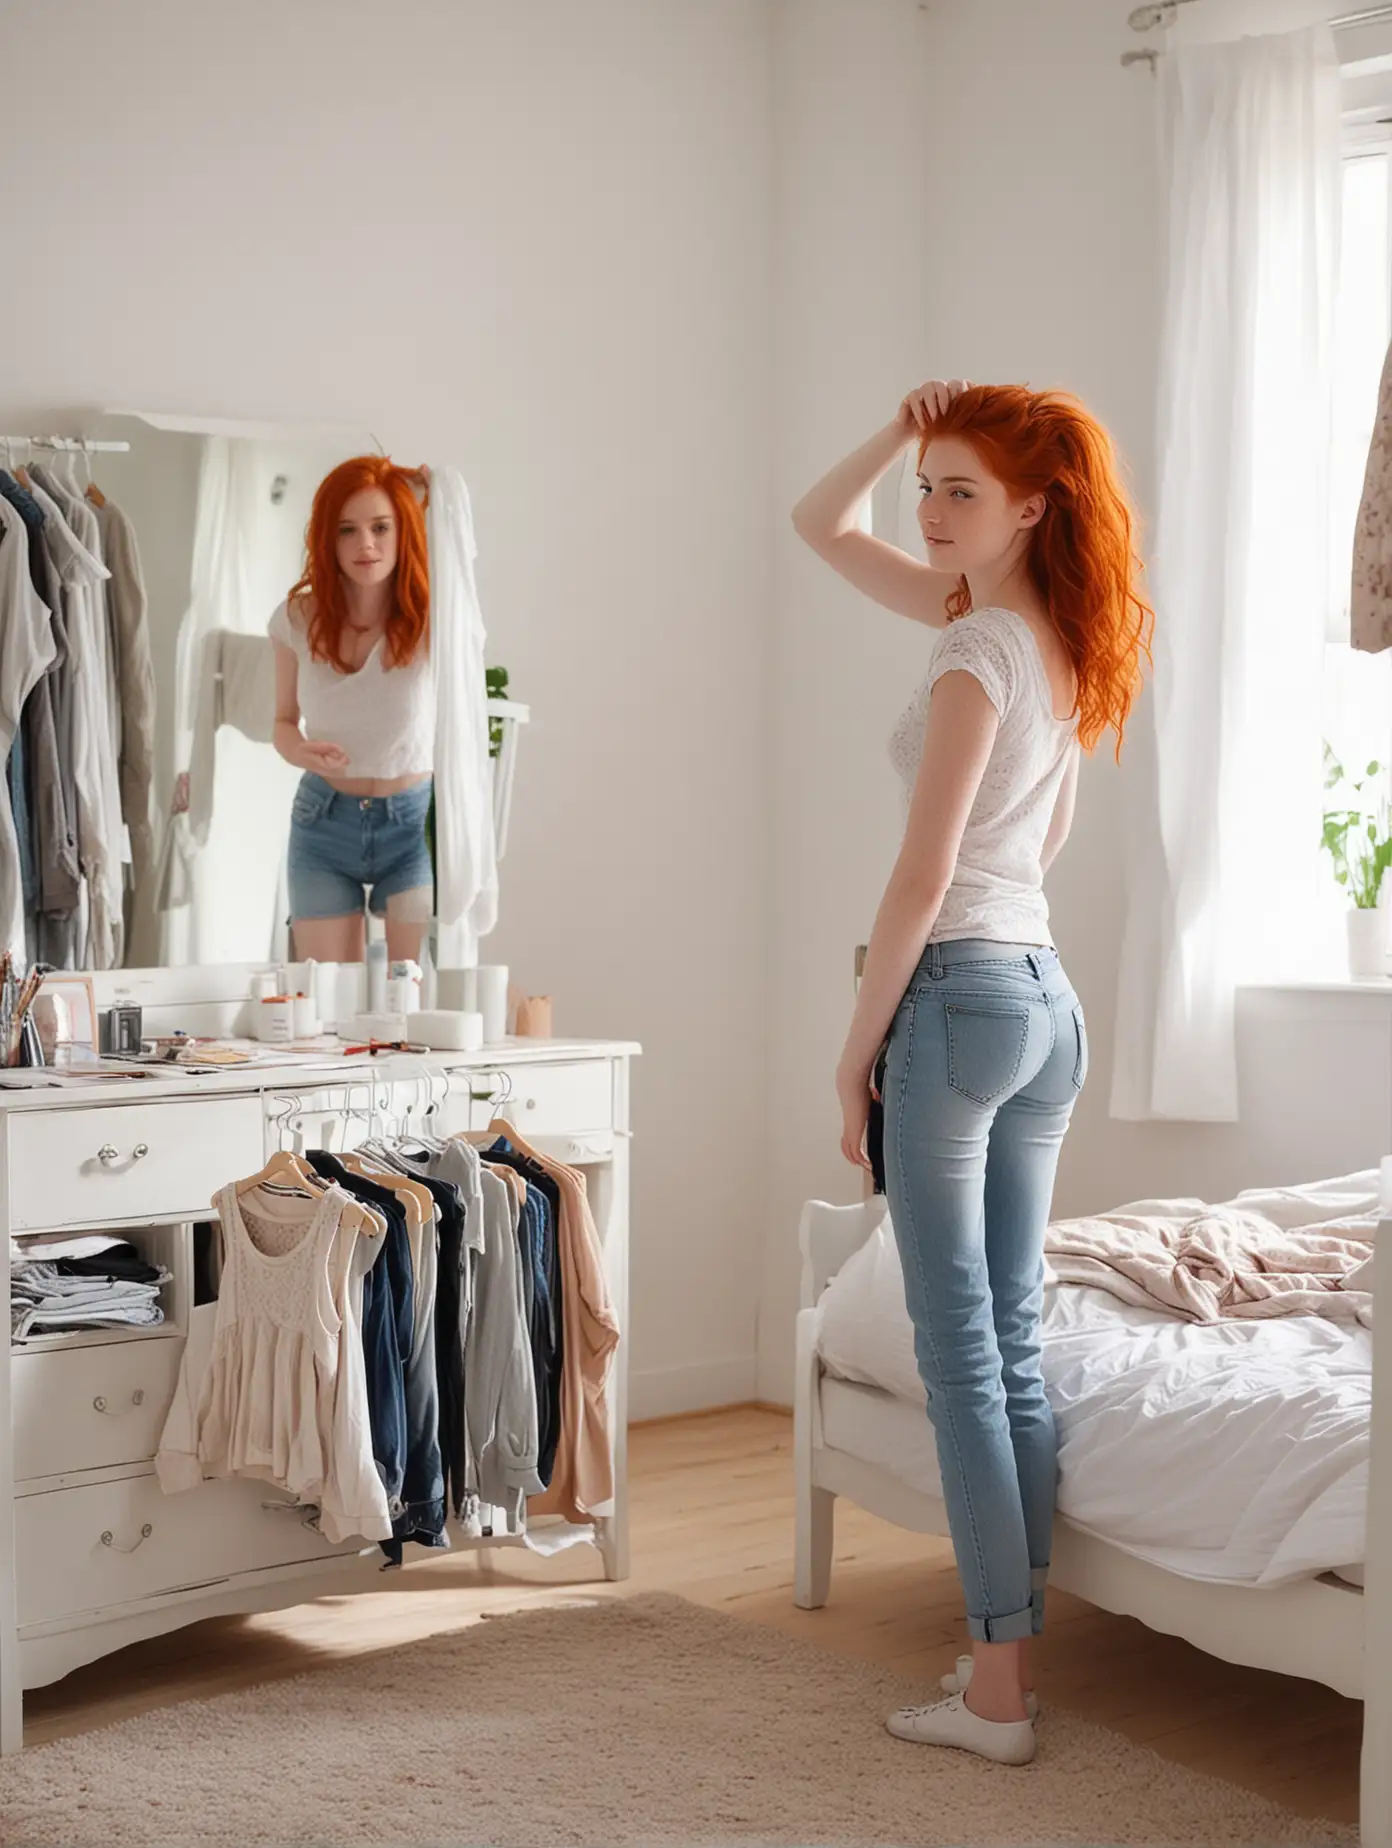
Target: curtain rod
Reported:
point(1147, 18)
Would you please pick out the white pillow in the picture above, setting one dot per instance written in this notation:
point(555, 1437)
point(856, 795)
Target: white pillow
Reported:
point(863, 1330)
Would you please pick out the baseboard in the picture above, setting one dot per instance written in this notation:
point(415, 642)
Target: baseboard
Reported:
point(664, 1392)
point(714, 1411)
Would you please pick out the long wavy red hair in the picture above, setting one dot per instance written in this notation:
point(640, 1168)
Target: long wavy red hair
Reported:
point(408, 624)
point(1082, 557)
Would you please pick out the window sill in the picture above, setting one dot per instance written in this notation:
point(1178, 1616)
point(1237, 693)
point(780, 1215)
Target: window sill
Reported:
point(1377, 985)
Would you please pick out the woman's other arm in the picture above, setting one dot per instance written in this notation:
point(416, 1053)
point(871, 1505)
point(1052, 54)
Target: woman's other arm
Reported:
point(962, 725)
point(290, 741)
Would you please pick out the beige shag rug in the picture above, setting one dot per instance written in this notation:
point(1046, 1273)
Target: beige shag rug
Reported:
point(643, 1720)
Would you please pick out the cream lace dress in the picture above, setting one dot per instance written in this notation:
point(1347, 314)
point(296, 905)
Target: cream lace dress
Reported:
point(283, 1397)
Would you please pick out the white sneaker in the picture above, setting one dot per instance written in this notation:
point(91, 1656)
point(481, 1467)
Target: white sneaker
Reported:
point(961, 1681)
point(952, 1722)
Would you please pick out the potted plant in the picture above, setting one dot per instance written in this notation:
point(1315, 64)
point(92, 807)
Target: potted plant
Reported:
point(1358, 838)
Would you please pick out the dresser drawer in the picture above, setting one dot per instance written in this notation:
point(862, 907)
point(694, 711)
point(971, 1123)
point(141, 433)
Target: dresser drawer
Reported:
point(64, 1567)
point(132, 1161)
point(551, 1099)
point(91, 1407)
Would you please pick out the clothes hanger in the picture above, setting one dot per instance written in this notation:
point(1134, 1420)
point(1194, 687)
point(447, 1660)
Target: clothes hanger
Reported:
point(94, 493)
point(287, 1169)
point(294, 1172)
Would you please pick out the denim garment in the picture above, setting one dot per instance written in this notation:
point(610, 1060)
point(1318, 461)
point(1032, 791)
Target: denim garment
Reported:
point(17, 776)
point(444, 1403)
point(545, 1327)
point(986, 1056)
point(341, 847)
point(388, 1328)
point(451, 1304)
point(422, 1519)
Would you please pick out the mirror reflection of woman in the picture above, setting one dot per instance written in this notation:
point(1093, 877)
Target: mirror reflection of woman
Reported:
point(355, 711)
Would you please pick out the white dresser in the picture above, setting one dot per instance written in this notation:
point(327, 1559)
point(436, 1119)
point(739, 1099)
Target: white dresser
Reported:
point(93, 1555)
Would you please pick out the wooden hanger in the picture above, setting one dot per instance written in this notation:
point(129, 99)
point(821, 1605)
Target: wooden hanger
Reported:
point(293, 1170)
point(283, 1166)
point(95, 495)
point(401, 1184)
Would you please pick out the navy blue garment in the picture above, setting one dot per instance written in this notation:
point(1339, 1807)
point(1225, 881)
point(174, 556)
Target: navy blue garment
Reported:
point(449, 1330)
point(17, 777)
point(545, 1327)
point(18, 769)
point(423, 1490)
point(388, 1324)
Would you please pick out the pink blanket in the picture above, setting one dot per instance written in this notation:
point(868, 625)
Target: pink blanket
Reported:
point(1217, 1264)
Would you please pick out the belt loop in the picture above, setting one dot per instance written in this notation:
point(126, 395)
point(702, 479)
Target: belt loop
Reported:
point(1036, 963)
point(935, 961)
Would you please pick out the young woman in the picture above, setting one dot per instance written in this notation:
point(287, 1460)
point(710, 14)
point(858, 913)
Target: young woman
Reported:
point(964, 1007)
point(355, 710)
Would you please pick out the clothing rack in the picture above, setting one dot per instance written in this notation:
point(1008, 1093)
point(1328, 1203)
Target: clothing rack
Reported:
point(1162, 13)
point(83, 445)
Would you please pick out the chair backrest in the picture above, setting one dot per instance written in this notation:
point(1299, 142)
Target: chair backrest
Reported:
point(827, 1237)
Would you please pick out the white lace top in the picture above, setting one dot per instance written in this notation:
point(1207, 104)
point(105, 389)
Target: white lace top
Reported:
point(997, 889)
point(283, 1395)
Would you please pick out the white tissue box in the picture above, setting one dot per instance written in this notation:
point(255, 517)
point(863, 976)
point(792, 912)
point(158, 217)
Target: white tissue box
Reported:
point(447, 1029)
point(376, 1027)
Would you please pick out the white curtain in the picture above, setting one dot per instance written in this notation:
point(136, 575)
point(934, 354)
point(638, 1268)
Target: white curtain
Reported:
point(222, 879)
point(1223, 883)
point(466, 848)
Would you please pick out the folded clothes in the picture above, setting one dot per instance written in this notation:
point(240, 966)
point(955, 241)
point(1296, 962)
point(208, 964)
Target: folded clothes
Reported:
point(116, 1288)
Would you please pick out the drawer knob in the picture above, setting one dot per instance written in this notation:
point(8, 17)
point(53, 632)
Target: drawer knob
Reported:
point(531, 1103)
point(137, 1398)
point(109, 1539)
point(108, 1153)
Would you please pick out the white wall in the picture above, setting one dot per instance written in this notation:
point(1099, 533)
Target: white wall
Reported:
point(534, 239)
point(998, 146)
point(545, 240)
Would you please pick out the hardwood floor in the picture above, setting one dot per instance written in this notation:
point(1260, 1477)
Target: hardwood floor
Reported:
point(712, 1515)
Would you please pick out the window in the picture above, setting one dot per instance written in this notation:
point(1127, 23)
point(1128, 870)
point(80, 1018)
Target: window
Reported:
point(1357, 707)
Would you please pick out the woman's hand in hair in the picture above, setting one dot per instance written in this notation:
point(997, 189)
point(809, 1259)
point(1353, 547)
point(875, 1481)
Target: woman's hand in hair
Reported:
point(926, 402)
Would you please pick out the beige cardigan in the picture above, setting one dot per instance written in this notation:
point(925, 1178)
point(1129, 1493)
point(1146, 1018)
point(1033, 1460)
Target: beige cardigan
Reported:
point(1371, 603)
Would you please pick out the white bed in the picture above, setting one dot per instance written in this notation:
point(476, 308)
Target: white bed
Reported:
point(1214, 1481)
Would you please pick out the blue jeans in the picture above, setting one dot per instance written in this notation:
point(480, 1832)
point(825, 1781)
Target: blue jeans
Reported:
point(342, 846)
point(986, 1056)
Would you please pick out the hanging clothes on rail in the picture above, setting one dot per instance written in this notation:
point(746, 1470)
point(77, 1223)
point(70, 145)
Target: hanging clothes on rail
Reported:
point(454, 1290)
point(45, 829)
point(80, 758)
point(26, 650)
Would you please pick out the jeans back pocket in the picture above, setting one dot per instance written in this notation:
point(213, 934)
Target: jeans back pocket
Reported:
point(1080, 1068)
point(985, 1049)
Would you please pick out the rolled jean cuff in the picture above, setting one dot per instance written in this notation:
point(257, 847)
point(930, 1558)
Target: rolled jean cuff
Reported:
point(1012, 1629)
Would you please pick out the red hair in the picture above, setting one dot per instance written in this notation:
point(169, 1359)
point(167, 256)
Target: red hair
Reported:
point(1082, 555)
point(408, 622)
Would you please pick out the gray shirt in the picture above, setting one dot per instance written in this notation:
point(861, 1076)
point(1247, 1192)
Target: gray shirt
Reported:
point(500, 1403)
